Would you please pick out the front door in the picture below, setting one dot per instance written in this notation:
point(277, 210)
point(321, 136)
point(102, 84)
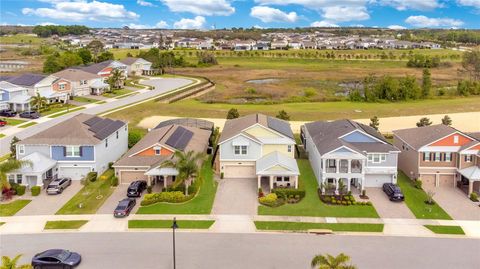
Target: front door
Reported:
point(32, 181)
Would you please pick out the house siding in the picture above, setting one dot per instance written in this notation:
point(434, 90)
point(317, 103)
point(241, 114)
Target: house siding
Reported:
point(116, 148)
point(88, 154)
point(433, 163)
point(390, 161)
point(29, 149)
point(357, 136)
point(313, 156)
point(227, 150)
point(280, 148)
point(261, 132)
point(408, 158)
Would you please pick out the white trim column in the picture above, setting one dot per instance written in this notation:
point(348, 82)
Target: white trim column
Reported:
point(259, 181)
point(271, 183)
point(348, 184)
point(337, 166)
point(296, 182)
point(349, 168)
point(165, 178)
point(470, 187)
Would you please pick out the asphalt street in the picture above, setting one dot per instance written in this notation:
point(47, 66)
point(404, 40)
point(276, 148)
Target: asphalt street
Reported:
point(245, 251)
point(161, 86)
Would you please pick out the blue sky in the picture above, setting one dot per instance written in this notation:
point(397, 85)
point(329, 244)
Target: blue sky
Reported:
point(205, 14)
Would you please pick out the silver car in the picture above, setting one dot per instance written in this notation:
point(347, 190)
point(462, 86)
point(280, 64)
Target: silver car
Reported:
point(58, 185)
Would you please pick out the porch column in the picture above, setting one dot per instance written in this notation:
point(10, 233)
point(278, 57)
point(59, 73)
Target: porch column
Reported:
point(149, 181)
point(363, 183)
point(271, 183)
point(470, 187)
point(348, 184)
point(324, 166)
point(337, 166)
point(296, 182)
point(349, 168)
point(336, 183)
point(165, 181)
point(259, 178)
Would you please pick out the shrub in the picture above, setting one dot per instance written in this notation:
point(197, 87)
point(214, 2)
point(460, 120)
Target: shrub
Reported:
point(92, 176)
point(287, 192)
point(114, 181)
point(418, 183)
point(166, 196)
point(271, 200)
point(350, 203)
point(20, 189)
point(110, 165)
point(35, 190)
point(474, 196)
point(221, 175)
point(344, 202)
point(149, 189)
point(369, 203)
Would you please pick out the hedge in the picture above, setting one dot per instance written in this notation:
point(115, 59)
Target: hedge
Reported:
point(166, 196)
point(35, 190)
point(92, 176)
point(287, 192)
point(271, 200)
point(20, 189)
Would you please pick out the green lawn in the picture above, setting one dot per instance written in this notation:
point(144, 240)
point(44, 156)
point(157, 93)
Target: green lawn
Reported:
point(2, 135)
point(415, 200)
point(57, 109)
point(1, 223)
point(116, 93)
point(21, 39)
point(311, 204)
point(303, 226)
point(64, 224)
point(440, 229)
point(12, 208)
point(91, 196)
point(200, 204)
point(27, 125)
point(66, 112)
point(13, 122)
point(167, 224)
point(84, 99)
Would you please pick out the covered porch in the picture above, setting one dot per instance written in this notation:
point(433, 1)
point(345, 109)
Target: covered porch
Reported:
point(472, 176)
point(98, 87)
point(39, 173)
point(54, 96)
point(276, 170)
point(20, 103)
point(161, 176)
point(334, 184)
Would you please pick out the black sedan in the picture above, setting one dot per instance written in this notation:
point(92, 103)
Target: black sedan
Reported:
point(8, 113)
point(56, 258)
point(136, 188)
point(30, 115)
point(124, 207)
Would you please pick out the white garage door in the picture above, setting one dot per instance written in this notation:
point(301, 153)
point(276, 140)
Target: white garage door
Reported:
point(127, 177)
point(239, 171)
point(75, 173)
point(377, 180)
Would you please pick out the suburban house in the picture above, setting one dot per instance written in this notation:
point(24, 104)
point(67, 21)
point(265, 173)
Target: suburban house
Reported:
point(145, 159)
point(137, 66)
point(105, 68)
point(258, 147)
point(351, 152)
point(45, 89)
point(14, 97)
point(440, 156)
point(76, 82)
point(72, 148)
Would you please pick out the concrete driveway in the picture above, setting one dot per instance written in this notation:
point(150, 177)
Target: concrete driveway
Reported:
point(387, 208)
point(48, 204)
point(456, 203)
point(112, 201)
point(236, 196)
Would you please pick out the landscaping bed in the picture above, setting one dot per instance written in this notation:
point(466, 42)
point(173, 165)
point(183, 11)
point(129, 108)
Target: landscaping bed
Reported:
point(10, 209)
point(167, 224)
point(440, 229)
point(64, 224)
point(304, 226)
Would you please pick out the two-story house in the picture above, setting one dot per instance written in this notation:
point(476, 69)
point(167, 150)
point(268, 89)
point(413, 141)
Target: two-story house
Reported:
point(145, 159)
point(73, 148)
point(77, 82)
point(137, 66)
point(258, 147)
point(27, 80)
point(439, 156)
point(14, 97)
point(351, 152)
point(105, 68)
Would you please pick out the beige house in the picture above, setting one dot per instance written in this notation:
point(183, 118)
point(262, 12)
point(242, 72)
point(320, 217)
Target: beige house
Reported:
point(77, 82)
point(138, 66)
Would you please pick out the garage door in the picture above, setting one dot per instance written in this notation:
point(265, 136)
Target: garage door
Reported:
point(239, 171)
point(75, 173)
point(377, 180)
point(428, 181)
point(127, 177)
point(447, 180)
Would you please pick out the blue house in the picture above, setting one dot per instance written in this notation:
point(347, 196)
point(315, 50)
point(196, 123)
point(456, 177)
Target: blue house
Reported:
point(13, 97)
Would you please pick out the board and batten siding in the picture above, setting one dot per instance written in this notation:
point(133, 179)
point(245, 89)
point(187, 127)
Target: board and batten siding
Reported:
point(29, 149)
point(283, 149)
point(116, 148)
point(390, 161)
point(254, 150)
point(87, 153)
point(313, 156)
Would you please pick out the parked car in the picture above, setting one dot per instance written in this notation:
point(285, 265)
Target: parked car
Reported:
point(136, 188)
point(58, 185)
point(56, 258)
point(124, 207)
point(30, 115)
point(393, 192)
point(3, 123)
point(8, 113)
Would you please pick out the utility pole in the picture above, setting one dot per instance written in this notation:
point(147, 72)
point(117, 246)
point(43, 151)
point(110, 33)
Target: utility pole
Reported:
point(174, 226)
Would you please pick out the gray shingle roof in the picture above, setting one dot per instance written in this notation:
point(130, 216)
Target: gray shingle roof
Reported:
point(421, 136)
point(95, 68)
point(26, 79)
point(129, 60)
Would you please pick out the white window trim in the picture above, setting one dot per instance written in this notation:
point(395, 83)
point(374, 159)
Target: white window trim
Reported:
point(427, 156)
point(448, 156)
point(289, 148)
point(21, 149)
point(469, 158)
point(240, 150)
point(439, 154)
point(72, 155)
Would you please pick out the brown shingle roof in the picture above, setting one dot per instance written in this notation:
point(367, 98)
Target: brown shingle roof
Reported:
point(129, 60)
point(421, 136)
point(72, 74)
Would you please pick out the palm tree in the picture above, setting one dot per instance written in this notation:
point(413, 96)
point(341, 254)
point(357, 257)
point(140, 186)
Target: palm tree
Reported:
point(9, 166)
point(330, 262)
point(115, 79)
point(38, 101)
point(8, 263)
point(186, 165)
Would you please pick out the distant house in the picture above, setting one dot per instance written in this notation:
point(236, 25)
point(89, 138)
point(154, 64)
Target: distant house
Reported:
point(137, 66)
point(14, 97)
point(77, 82)
point(279, 45)
point(309, 45)
point(105, 68)
point(72, 148)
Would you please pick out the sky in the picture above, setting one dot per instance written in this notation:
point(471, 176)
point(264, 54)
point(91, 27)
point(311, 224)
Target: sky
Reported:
point(210, 14)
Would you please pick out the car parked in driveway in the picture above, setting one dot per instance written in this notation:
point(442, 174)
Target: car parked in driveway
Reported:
point(136, 188)
point(8, 113)
point(124, 207)
point(30, 115)
point(3, 123)
point(56, 258)
point(393, 192)
point(58, 185)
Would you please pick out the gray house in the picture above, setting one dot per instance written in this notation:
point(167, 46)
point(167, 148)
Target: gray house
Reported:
point(351, 152)
point(73, 148)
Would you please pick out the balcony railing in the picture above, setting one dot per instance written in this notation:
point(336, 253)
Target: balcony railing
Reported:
point(331, 169)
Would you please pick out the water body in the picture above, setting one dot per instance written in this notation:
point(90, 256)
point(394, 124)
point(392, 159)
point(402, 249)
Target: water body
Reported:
point(264, 80)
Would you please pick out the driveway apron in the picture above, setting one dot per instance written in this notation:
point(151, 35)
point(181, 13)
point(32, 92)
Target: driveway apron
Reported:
point(456, 203)
point(236, 196)
point(118, 194)
point(386, 208)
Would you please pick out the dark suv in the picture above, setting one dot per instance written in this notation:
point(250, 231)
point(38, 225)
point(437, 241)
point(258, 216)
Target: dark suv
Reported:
point(30, 115)
point(8, 113)
point(136, 188)
point(393, 192)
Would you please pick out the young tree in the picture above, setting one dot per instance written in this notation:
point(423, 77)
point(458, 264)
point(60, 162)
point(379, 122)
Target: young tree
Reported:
point(95, 46)
point(206, 57)
point(105, 56)
point(283, 115)
point(8, 263)
point(186, 165)
point(38, 102)
point(424, 122)
point(471, 64)
point(331, 262)
point(446, 120)
point(51, 65)
point(13, 147)
point(374, 122)
point(115, 80)
point(86, 55)
point(426, 83)
point(232, 114)
point(68, 59)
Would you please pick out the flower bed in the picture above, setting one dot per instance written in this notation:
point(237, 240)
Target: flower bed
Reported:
point(166, 196)
point(271, 200)
point(344, 200)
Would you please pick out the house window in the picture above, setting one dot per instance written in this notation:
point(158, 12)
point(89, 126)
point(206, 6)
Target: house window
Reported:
point(383, 157)
point(244, 150)
point(331, 163)
point(376, 158)
point(19, 178)
point(370, 157)
point(117, 134)
point(448, 156)
point(468, 158)
point(106, 143)
point(455, 139)
point(437, 156)
point(61, 86)
point(72, 151)
point(157, 150)
point(11, 178)
point(237, 150)
point(21, 149)
point(289, 148)
point(426, 156)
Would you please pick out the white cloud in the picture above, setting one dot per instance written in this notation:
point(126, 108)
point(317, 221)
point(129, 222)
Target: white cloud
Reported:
point(345, 13)
point(201, 7)
point(145, 3)
point(196, 23)
point(396, 27)
point(426, 22)
point(268, 14)
point(160, 24)
point(323, 24)
point(412, 4)
point(469, 3)
point(82, 11)
point(46, 23)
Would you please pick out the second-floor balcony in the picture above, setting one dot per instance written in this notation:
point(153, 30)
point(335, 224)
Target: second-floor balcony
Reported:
point(343, 166)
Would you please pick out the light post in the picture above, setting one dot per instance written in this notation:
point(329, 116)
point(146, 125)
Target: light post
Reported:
point(174, 226)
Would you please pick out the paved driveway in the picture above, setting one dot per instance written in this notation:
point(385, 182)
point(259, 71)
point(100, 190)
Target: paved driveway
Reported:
point(456, 203)
point(48, 204)
point(236, 196)
point(112, 201)
point(387, 208)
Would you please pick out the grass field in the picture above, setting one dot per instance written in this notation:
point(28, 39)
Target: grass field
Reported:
point(58, 109)
point(10, 209)
point(64, 224)
point(13, 122)
point(27, 125)
point(415, 200)
point(167, 224)
point(311, 204)
point(440, 229)
point(304, 226)
point(21, 39)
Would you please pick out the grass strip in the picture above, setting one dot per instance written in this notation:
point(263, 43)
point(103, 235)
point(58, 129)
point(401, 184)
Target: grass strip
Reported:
point(66, 112)
point(27, 125)
point(64, 224)
point(12, 208)
point(445, 229)
point(304, 226)
point(167, 224)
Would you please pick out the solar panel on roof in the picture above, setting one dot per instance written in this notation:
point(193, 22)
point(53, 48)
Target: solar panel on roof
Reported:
point(92, 121)
point(180, 138)
point(100, 125)
point(108, 129)
point(280, 126)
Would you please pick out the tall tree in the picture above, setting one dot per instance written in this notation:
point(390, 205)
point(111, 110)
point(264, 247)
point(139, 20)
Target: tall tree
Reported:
point(424, 122)
point(86, 55)
point(96, 47)
point(446, 120)
point(331, 262)
point(51, 65)
point(471, 64)
point(187, 165)
point(233, 114)
point(7, 167)
point(13, 147)
point(105, 56)
point(426, 83)
point(115, 80)
point(374, 122)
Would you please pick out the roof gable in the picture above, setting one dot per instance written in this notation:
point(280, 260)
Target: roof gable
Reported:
point(456, 139)
point(358, 136)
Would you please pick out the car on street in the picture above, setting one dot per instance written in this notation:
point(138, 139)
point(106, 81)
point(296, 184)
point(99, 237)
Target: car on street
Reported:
point(393, 192)
point(8, 113)
point(136, 188)
point(124, 207)
point(58, 185)
point(56, 258)
point(3, 123)
point(30, 115)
